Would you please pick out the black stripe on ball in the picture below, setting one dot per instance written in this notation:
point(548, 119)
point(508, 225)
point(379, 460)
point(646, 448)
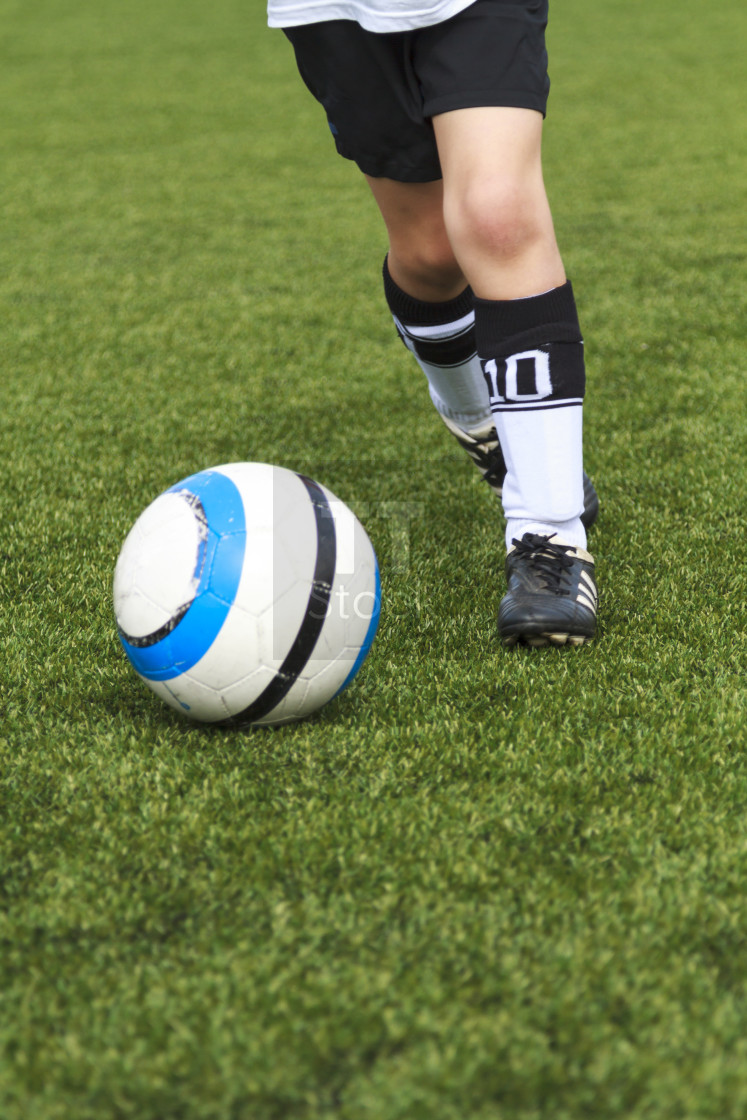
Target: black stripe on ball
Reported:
point(316, 611)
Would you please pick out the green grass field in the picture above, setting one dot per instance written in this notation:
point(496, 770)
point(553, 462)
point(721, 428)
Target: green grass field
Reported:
point(480, 885)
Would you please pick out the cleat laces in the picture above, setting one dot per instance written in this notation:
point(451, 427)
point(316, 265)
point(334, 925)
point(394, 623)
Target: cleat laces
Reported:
point(551, 562)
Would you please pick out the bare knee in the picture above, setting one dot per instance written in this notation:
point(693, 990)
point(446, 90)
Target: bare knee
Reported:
point(426, 268)
point(421, 259)
point(495, 207)
point(500, 221)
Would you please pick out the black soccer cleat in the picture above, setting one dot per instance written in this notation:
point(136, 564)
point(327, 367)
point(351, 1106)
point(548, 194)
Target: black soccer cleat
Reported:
point(552, 594)
point(482, 446)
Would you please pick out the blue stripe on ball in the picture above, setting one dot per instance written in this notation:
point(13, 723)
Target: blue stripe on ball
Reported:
point(370, 635)
point(196, 631)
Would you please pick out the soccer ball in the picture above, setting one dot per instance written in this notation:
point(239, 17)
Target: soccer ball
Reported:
point(247, 594)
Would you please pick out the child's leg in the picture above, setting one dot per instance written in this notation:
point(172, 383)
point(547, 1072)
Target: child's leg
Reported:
point(499, 225)
point(434, 314)
point(430, 301)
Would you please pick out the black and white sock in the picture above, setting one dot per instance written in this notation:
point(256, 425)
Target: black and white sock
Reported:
point(532, 356)
point(442, 338)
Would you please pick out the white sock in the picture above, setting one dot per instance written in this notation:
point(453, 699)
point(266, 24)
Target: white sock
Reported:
point(568, 532)
point(441, 337)
point(532, 355)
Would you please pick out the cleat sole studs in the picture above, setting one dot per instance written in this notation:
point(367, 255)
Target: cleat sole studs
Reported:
point(539, 641)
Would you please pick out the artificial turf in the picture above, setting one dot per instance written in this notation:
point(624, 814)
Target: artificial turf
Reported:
point(482, 884)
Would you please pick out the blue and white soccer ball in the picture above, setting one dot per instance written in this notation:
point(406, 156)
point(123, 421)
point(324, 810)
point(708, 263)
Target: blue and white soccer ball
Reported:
point(248, 594)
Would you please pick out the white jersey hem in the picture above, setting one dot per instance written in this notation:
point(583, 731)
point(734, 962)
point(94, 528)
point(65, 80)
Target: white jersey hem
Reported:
point(382, 16)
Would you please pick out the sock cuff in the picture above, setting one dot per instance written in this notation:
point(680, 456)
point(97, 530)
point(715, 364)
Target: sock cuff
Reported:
point(418, 312)
point(524, 323)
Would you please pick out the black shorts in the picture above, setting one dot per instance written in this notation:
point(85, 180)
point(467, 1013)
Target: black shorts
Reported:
point(381, 90)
